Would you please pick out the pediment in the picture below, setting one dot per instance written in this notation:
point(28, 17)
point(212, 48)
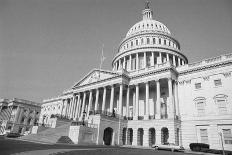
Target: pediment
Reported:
point(94, 76)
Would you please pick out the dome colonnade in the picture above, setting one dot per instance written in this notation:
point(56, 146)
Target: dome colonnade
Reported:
point(148, 43)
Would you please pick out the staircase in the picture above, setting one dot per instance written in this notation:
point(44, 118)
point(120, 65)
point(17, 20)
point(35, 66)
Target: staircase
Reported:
point(5, 113)
point(50, 135)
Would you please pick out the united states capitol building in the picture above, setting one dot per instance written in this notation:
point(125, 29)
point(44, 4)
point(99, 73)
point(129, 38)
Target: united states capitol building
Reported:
point(152, 95)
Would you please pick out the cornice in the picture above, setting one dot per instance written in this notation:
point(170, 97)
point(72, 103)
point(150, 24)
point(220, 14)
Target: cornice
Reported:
point(203, 68)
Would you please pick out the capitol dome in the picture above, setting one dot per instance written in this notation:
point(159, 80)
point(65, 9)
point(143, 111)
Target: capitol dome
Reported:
point(148, 25)
point(148, 44)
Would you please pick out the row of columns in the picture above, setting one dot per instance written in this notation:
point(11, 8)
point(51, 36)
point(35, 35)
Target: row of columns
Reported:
point(122, 62)
point(75, 106)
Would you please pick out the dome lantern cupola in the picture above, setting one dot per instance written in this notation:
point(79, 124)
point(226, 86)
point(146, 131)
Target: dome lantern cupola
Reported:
point(147, 12)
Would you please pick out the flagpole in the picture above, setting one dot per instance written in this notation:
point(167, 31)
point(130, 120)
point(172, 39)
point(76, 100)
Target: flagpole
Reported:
point(102, 59)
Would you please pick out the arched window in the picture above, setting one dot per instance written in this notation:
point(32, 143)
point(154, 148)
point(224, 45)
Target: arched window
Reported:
point(159, 41)
point(200, 105)
point(221, 101)
point(153, 40)
point(148, 41)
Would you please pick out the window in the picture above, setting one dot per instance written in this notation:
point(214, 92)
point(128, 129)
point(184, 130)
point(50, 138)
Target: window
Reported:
point(148, 41)
point(218, 82)
point(204, 136)
point(127, 45)
point(159, 41)
point(197, 85)
point(221, 101)
point(201, 108)
point(137, 42)
point(227, 136)
point(153, 40)
point(221, 106)
point(131, 43)
point(164, 42)
point(142, 41)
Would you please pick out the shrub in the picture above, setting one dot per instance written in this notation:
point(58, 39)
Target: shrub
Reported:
point(199, 146)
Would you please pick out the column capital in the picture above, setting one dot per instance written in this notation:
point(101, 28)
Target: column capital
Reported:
point(157, 80)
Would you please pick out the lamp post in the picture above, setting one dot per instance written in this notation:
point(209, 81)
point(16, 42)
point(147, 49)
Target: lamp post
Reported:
point(83, 118)
point(220, 134)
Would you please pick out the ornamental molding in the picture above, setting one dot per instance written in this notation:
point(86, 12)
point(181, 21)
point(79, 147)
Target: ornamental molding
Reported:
point(227, 74)
point(206, 78)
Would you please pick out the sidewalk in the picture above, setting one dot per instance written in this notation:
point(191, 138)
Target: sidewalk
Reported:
point(150, 148)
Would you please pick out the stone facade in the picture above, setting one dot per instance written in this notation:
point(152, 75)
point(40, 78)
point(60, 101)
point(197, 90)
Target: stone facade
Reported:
point(18, 115)
point(152, 95)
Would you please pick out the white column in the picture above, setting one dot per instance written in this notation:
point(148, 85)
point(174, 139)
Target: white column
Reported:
point(90, 102)
point(146, 117)
point(120, 66)
point(130, 63)
point(124, 62)
point(178, 61)
point(159, 59)
point(145, 60)
point(137, 61)
point(171, 110)
point(120, 100)
point(74, 106)
point(152, 59)
point(62, 108)
point(96, 101)
point(83, 105)
point(137, 101)
point(176, 98)
point(167, 57)
point(104, 99)
point(77, 107)
point(174, 60)
point(158, 99)
point(127, 101)
point(134, 104)
point(112, 99)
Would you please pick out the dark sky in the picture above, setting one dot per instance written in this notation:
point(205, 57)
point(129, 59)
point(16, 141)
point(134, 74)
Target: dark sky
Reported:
point(48, 45)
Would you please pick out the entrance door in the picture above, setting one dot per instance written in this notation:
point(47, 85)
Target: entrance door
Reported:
point(107, 137)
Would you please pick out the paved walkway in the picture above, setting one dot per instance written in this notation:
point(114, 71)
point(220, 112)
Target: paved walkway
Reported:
point(54, 151)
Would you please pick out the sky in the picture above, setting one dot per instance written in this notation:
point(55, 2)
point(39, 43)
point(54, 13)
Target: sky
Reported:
point(46, 46)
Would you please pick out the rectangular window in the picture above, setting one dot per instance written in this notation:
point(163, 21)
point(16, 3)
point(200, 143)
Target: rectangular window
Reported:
point(222, 106)
point(197, 85)
point(227, 136)
point(204, 136)
point(201, 108)
point(218, 82)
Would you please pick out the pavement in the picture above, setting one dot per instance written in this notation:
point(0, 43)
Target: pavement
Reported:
point(9, 146)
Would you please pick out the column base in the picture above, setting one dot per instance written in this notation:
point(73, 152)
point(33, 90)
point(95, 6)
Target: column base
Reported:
point(135, 117)
point(157, 116)
point(146, 117)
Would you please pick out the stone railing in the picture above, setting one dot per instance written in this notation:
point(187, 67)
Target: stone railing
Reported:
point(26, 102)
point(205, 62)
point(83, 123)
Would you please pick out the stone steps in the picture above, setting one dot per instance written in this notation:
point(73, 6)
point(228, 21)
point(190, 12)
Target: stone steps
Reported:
point(50, 135)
